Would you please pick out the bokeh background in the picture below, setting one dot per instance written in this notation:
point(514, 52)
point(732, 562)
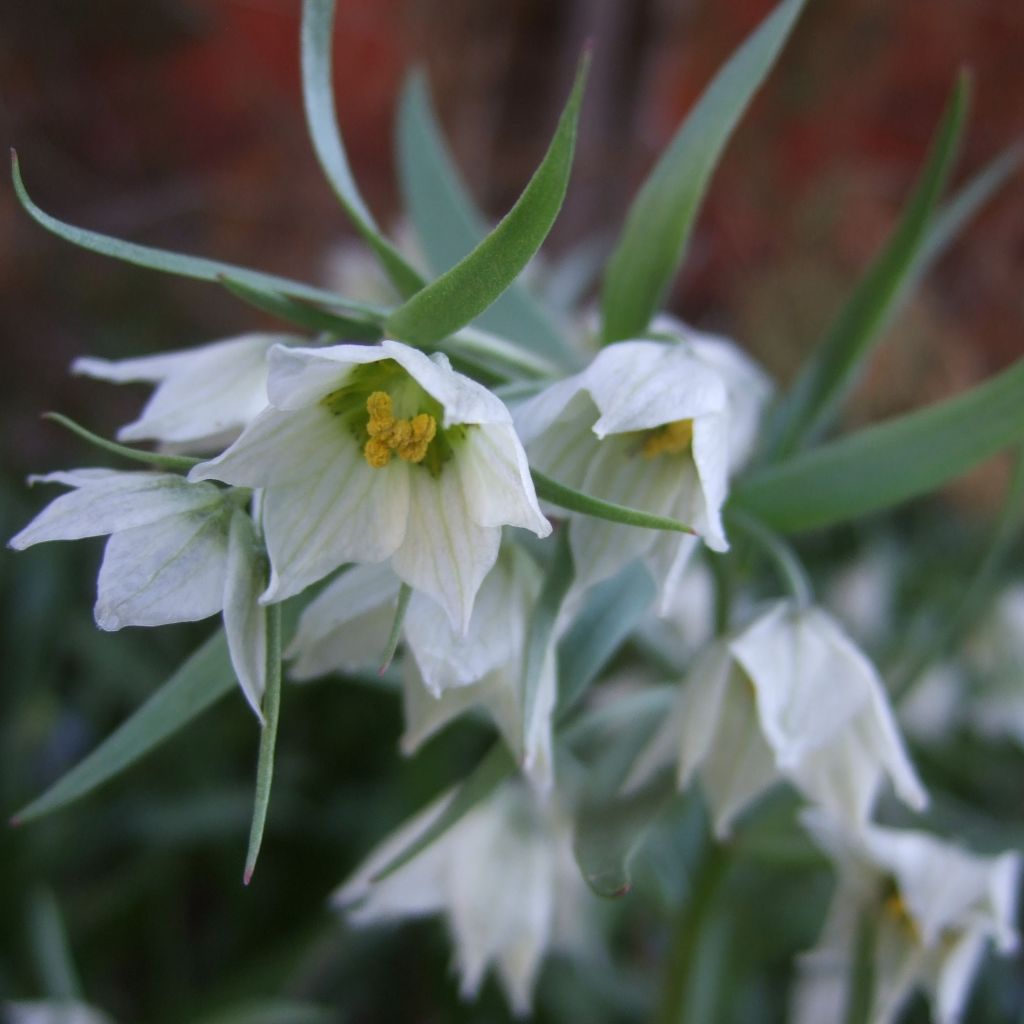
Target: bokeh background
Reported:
point(179, 123)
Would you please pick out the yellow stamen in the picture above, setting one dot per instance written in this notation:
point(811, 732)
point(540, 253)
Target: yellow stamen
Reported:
point(896, 909)
point(377, 452)
point(408, 439)
point(671, 439)
point(422, 430)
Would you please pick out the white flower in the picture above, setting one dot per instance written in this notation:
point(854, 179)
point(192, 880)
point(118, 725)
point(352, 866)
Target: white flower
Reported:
point(370, 453)
point(345, 628)
point(178, 552)
point(934, 908)
point(655, 425)
point(504, 878)
point(790, 698)
point(204, 395)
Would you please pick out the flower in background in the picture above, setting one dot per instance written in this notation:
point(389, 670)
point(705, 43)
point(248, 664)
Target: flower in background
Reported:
point(375, 453)
point(345, 628)
point(656, 425)
point(504, 878)
point(178, 552)
point(933, 908)
point(790, 697)
point(52, 1011)
point(204, 397)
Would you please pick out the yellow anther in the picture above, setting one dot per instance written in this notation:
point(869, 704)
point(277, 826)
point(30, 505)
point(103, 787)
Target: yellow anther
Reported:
point(896, 909)
point(408, 439)
point(671, 439)
point(422, 430)
point(377, 452)
point(382, 419)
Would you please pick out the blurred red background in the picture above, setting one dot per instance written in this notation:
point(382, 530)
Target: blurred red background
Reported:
point(179, 123)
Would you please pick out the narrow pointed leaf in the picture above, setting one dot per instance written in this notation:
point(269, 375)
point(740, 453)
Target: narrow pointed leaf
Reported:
point(613, 610)
point(448, 224)
point(886, 464)
point(302, 314)
point(318, 97)
point(576, 501)
point(203, 679)
point(662, 215)
point(268, 740)
point(831, 371)
point(461, 294)
point(404, 593)
point(541, 629)
point(174, 463)
point(196, 267)
point(493, 769)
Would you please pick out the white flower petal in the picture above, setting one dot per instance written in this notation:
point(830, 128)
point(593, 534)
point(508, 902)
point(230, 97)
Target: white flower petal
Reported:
point(300, 377)
point(463, 399)
point(638, 385)
point(537, 415)
point(956, 972)
point(711, 457)
point(445, 553)
point(107, 500)
point(345, 628)
point(496, 479)
point(497, 628)
point(245, 620)
point(203, 392)
point(169, 571)
point(619, 474)
point(346, 512)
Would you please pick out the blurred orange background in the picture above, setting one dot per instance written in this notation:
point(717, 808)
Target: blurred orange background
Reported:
point(180, 124)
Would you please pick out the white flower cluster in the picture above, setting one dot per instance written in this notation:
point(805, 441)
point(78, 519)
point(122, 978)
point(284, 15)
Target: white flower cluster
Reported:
point(384, 474)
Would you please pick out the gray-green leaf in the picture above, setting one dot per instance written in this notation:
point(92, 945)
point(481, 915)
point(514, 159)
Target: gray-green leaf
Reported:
point(318, 97)
point(203, 679)
point(888, 463)
point(461, 294)
point(662, 215)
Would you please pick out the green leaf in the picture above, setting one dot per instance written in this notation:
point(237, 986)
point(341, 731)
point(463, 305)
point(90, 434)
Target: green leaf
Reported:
point(268, 740)
point(448, 224)
point(492, 769)
point(173, 463)
point(301, 314)
point(404, 593)
point(831, 371)
point(888, 463)
point(613, 610)
point(184, 266)
point(203, 679)
point(541, 629)
point(609, 833)
point(271, 1011)
point(662, 215)
point(318, 98)
point(576, 501)
point(461, 294)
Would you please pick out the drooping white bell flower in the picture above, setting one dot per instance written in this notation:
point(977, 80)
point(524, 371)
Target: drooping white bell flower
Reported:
point(934, 908)
point(204, 397)
point(374, 453)
point(504, 878)
point(657, 425)
point(790, 697)
point(178, 552)
point(345, 628)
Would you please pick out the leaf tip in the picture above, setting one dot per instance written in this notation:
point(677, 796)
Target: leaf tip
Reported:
point(248, 873)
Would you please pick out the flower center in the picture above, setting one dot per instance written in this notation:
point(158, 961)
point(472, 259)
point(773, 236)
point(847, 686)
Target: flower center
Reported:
point(409, 439)
point(671, 439)
point(388, 414)
point(896, 910)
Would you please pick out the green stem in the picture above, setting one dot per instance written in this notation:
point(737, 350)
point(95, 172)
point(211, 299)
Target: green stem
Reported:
point(268, 739)
point(680, 976)
point(861, 989)
point(173, 463)
point(788, 567)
